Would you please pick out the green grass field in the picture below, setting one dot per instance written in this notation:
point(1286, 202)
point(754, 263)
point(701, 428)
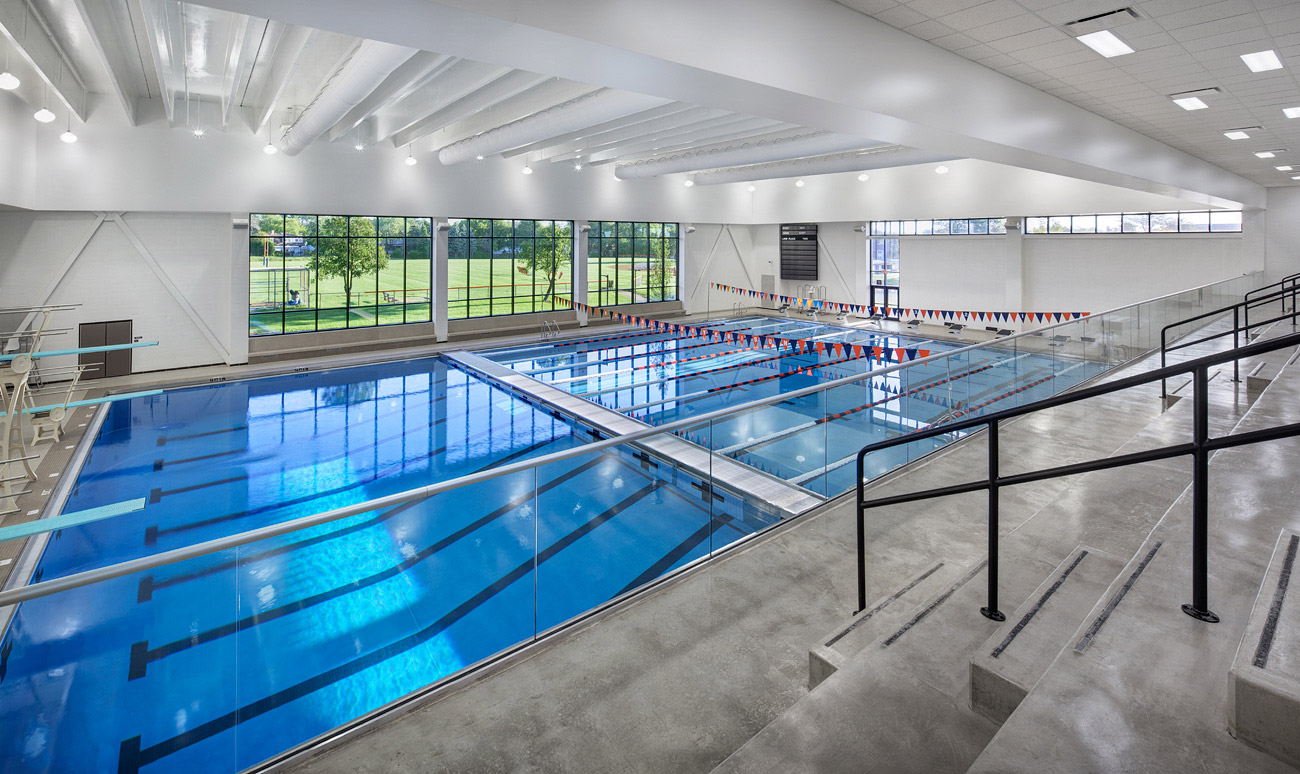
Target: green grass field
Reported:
point(400, 294)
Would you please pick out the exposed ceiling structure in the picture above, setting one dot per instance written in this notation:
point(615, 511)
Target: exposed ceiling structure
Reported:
point(208, 71)
point(513, 79)
point(1179, 46)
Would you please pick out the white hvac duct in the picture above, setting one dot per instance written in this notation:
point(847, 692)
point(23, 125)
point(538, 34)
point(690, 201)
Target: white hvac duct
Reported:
point(588, 110)
point(364, 69)
point(857, 161)
point(770, 147)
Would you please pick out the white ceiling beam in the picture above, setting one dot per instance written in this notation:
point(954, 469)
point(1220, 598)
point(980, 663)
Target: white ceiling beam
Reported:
point(549, 93)
point(288, 51)
point(29, 31)
point(443, 87)
point(244, 33)
point(510, 84)
point(109, 44)
point(395, 87)
point(165, 33)
point(879, 82)
point(856, 161)
point(688, 134)
point(739, 133)
point(636, 125)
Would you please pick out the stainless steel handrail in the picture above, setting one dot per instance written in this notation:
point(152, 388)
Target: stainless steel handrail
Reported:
point(53, 586)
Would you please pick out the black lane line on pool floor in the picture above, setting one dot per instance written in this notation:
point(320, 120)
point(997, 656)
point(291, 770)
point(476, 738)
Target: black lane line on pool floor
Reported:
point(148, 585)
point(142, 655)
point(153, 532)
point(156, 495)
point(163, 440)
point(159, 464)
point(1275, 609)
point(132, 756)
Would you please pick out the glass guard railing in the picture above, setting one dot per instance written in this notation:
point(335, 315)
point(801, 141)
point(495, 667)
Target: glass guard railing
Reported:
point(233, 650)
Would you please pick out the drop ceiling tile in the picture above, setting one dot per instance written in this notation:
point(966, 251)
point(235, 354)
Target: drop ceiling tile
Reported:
point(1052, 50)
point(937, 8)
point(1206, 13)
point(929, 30)
point(1285, 11)
point(899, 16)
point(997, 61)
point(955, 41)
point(1038, 37)
point(985, 13)
point(1243, 23)
point(869, 7)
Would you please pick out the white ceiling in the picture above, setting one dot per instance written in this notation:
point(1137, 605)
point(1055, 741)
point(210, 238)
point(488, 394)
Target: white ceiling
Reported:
point(199, 65)
point(1179, 45)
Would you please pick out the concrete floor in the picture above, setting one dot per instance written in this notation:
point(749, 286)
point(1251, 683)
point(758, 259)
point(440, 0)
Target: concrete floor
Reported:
point(684, 677)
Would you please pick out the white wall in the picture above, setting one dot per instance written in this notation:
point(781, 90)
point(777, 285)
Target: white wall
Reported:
point(111, 279)
point(1283, 231)
point(954, 272)
point(1067, 273)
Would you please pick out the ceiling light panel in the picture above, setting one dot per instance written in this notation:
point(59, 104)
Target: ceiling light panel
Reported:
point(1262, 61)
point(1106, 43)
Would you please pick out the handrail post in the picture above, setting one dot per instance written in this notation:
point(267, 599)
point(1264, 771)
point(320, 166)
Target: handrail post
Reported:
point(862, 540)
point(1236, 367)
point(1200, 606)
point(1163, 394)
point(991, 612)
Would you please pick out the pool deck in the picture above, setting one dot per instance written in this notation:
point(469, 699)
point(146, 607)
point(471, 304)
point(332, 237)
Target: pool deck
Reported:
point(789, 500)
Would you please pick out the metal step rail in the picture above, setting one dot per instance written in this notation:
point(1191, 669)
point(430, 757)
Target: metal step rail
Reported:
point(1199, 447)
point(1239, 310)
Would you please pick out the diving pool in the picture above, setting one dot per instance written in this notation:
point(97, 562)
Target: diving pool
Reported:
point(221, 662)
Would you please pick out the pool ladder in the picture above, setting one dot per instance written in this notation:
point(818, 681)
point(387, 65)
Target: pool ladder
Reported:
point(550, 329)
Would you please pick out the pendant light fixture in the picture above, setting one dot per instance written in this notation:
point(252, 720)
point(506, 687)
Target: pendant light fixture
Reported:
point(68, 136)
point(9, 81)
point(269, 149)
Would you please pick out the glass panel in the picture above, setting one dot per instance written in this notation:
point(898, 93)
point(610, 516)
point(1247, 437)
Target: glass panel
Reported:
point(925, 227)
point(1083, 224)
point(958, 226)
point(1136, 224)
point(1058, 224)
point(1035, 225)
point(1164, 221)
point(1193, 221)
point(941, 227)
point(909, 227)
point(1225, 221)
point(980, 226)
point(1108, 224)
point(997, 225)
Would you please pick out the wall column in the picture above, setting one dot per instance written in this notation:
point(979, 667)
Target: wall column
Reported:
point(438, 291)
point(581, 232)
point(1013, 266)
point(238, 329)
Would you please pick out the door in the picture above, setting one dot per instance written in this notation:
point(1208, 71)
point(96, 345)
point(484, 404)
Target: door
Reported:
point(103, 364)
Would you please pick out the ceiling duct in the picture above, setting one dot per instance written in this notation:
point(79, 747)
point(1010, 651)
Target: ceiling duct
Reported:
point(1102, 21)
point(589, 110)
point(856, 161)
point(780, 146)
point(354, 79)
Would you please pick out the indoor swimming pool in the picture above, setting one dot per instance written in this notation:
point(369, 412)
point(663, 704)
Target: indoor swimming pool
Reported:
point(218, 663)
point(809, 441)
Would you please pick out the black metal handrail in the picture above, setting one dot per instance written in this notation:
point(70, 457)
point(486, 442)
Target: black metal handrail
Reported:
point(1199, 447)
point(1239, 309)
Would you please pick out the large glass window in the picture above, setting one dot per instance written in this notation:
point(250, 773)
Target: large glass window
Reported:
point(959, 226)
point(1136, 223)
point(497, 267)
point(322, 272)
point(631, 263)
point(883, 257)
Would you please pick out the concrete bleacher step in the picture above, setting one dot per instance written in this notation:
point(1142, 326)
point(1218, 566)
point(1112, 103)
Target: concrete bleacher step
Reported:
point(1264, 682)
point(1145, 687)
point(1008, 664)
point(879, 619)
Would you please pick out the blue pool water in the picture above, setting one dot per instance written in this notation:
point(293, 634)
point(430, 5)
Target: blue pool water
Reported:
point(218, 663)
point(811, 441)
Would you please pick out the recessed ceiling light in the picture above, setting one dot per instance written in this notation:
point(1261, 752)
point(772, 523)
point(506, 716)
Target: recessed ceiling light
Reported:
point(1190, 103)
point(1240, 134)
point(577, 167)
point(479, 157)
point(798, 184)
point(1291, 112)
point(1261, 61)
point(1266, 154)
point(1194, 99)
point(689, 182)
point(864, 177)
point(358, 147)
point(1283, 168)
point(1295, 177)
point(941, 170)
point(1106, 43)
point(198, 131)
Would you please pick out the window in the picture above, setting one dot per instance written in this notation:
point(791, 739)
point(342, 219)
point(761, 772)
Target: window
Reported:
point(498, 267)
point(631, 263)
point(1136, 223)
point(959, 226)
point(883, 259)
point(323, 272)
